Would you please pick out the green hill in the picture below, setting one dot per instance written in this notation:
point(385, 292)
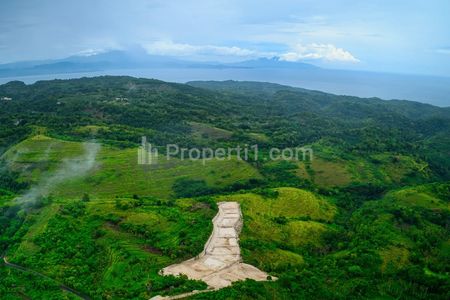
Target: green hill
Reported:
point(116, 172)
point(278, 223)
point(367, 217)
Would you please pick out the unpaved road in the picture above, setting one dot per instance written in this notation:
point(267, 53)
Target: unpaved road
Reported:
point(220, 263)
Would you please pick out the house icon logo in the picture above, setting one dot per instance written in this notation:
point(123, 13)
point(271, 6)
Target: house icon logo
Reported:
point(147, 155)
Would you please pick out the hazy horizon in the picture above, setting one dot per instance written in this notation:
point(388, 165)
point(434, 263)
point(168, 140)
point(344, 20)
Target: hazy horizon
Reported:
point(409, 37)
point(424, 89)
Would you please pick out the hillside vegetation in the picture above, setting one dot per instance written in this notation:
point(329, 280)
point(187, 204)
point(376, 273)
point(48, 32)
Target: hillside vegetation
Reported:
point(367, 217)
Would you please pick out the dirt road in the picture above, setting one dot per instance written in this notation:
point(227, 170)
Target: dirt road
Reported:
point(220, 263)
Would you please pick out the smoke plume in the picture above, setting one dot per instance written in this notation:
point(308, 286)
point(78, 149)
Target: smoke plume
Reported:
point(70, 168)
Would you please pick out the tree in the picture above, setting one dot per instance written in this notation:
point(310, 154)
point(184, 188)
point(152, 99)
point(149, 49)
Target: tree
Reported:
point(85, 198)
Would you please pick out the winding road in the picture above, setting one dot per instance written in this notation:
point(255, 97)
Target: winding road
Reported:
point(62, 286)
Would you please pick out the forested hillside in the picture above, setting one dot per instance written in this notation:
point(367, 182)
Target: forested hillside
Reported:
point(368, 217)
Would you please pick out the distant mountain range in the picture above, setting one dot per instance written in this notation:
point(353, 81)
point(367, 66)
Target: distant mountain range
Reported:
point(139, 59)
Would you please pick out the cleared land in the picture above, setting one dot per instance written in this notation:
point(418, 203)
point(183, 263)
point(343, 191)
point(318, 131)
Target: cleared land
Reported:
point(220, 263)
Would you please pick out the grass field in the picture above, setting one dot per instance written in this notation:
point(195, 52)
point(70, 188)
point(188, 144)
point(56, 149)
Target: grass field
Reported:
point(380, 168)
point(276, 228)
point(40, 221)
point(109, 249)
point(37, 156)
point(116, 171)
point(112, 245)
point(128, 226)
point(418, 197)
point(405, 220)
point(150, 234)
point(324, 173)
point(205, 132)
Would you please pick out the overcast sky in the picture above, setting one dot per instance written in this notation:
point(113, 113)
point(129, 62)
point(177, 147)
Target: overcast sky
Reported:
point(405, 36)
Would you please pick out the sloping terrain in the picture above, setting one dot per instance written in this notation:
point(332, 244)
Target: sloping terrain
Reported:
point(220, 263)
point(368, 217)
point(116, 172)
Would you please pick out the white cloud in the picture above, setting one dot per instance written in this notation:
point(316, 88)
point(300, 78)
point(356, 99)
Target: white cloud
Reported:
point(327, 52)
point(179, 49)
point(90, 52)
point(298, 52)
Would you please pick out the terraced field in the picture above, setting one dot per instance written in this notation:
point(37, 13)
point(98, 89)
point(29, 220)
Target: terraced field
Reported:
point(366, 218)
point(128, 232)
point(380, 168)
point(275, 227)
point(116, 172)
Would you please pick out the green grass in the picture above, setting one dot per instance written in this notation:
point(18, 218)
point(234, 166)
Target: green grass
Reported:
point(303, 233)
point(324, 173)
point(275, 259)
point(406, 221)
point(40, 222)
point(205, 131)
point(117, 171)
point(115, 245)
point(394, 258)
point(389, 169)
point(290, 202)
point(111, 252)
point(90, 129)
point(429, 197)
point(327, 169)
point(35, 157)
point(291, 220)
point(415, 197)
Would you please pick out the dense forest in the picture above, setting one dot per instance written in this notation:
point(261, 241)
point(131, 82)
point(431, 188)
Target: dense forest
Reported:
point(368, 217)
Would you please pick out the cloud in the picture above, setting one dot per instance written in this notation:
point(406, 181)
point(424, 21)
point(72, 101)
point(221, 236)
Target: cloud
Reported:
point(91, 52)
point(314, 51)
point(180, 49)
point(327, 52)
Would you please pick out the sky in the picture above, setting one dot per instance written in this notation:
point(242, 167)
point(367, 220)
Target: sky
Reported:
point(402, 36)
